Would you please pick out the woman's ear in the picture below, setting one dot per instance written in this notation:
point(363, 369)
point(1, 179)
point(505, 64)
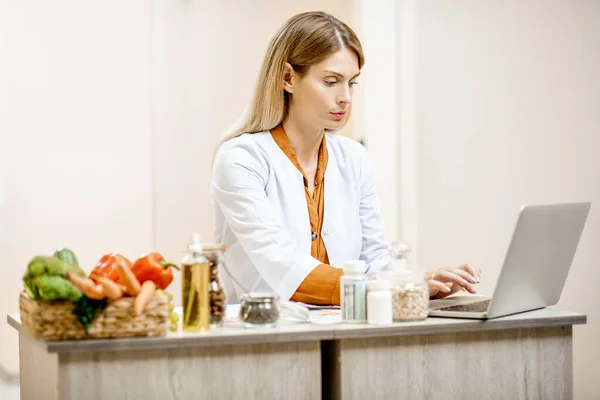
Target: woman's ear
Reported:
point(288, 78)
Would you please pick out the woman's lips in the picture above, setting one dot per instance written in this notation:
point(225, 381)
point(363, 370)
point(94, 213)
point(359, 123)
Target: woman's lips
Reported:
point(338, 115)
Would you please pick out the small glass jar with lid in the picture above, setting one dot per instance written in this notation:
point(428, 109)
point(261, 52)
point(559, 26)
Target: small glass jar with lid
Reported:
point(259, 310)
point(410, 292)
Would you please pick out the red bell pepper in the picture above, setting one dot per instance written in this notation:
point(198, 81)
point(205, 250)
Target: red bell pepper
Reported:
point(107, 266)
point(153, 267)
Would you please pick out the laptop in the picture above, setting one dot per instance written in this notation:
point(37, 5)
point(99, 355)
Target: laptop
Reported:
point(535, 267)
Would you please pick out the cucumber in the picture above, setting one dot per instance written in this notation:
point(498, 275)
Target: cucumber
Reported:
point(70, 259)
point(67, 256)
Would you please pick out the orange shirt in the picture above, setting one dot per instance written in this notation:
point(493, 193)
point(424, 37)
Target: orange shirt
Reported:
point(321, 286)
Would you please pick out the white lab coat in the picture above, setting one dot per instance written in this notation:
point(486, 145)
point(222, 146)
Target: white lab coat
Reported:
point(261, 215)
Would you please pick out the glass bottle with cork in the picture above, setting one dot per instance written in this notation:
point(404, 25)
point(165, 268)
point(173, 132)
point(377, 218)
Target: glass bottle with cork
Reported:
point(203, 297)
point(194, 288)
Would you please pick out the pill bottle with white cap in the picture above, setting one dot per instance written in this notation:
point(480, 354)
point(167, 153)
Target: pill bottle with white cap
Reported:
point(379, 303)
point(353, 292)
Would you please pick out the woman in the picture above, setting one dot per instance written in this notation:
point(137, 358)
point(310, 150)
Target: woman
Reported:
point(292, 200)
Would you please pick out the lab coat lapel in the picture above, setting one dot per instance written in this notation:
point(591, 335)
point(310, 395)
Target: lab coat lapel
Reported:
point(296, 221)
point(333, 224)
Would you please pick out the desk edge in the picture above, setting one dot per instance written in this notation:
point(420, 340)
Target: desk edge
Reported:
point(320, 333)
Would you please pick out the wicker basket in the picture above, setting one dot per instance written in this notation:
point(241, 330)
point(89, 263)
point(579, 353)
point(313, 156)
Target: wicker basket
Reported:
point(55, 320)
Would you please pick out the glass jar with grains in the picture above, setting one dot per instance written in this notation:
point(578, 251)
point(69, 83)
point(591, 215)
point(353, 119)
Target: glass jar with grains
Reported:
point(410, 292)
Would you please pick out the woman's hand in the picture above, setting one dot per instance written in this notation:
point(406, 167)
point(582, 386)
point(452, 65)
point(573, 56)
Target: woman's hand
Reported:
point(448, 280)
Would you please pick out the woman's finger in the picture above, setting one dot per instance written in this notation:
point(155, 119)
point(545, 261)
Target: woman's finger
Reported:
point(437, 286)
point(438, 294)
point(473, 270)
point(478, 271)
point(447, 275)
point(466, 275)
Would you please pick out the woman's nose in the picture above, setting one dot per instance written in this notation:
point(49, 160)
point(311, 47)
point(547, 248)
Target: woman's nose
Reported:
point(345, 96)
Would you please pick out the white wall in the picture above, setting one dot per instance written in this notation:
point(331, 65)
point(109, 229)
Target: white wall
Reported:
point(110, 113)
point(508, 101)
point(77, 123)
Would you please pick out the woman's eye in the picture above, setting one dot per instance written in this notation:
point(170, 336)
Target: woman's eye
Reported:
point(352, 83)
point(330, 83)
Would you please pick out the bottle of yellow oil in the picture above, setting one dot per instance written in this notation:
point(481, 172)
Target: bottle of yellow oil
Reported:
point(195, 288)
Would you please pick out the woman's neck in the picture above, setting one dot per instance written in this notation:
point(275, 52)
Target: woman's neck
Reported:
point(305, 140)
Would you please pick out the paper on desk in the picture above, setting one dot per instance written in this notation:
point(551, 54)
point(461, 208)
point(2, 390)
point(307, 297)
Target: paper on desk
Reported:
point(232, 313)
point(326, 316)
point(313, 307)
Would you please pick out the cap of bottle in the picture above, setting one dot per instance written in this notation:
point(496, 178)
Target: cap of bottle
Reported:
point(196, 243)
point(196, 238)
point(399, 249)
point(412, 275)
point(354, 267)
point(379, 284)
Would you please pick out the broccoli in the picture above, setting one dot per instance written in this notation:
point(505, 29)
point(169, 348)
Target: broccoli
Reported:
point(45, 279)
point(39, 266)
point(29, 288)
point(42, 265)
point(53, 287)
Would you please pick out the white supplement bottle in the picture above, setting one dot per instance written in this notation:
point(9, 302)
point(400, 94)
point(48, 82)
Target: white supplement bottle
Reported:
point(379, 303)
point(353, 292)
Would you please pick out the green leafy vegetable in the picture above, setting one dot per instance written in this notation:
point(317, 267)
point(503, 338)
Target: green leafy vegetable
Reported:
point(87, 309)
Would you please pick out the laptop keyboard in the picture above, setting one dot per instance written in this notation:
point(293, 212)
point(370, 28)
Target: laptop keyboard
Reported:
point(479, 306)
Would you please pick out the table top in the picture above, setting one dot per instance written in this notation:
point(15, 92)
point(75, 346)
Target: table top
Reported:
point(233, 333)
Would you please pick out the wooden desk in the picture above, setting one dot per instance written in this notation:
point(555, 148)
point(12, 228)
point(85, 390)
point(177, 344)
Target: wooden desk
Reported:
point(527, 355)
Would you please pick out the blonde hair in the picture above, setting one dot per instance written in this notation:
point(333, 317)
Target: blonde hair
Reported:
point(303, 40)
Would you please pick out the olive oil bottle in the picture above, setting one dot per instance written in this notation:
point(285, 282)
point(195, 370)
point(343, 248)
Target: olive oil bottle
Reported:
point(195, 288)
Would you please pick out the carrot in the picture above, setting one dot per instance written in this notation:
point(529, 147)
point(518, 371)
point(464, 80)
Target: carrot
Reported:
point(87, 286)
point(127, 278)
point(144, 296)
point(112, 290)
